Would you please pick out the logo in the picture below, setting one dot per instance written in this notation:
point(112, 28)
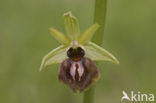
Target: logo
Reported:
point(140, 97)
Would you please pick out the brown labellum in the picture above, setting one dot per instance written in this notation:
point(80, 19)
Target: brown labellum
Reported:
point(78, 71)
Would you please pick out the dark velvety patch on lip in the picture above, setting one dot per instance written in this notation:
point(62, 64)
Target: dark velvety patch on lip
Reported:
point(78, 83)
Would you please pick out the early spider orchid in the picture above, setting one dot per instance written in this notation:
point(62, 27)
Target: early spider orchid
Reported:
point(76, 55)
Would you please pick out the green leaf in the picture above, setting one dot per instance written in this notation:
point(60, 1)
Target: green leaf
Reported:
point(97, 53)
point(71, 25)
point(87, 35)
point(60, 37)
point(55, 56)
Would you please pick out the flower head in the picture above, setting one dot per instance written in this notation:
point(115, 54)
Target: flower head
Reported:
point(76, 55)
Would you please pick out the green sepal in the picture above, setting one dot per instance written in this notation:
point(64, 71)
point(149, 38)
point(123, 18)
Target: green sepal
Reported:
point(71, 25)
point(97, 53)
point(60, 37)
point(88, 34)
point(55, 56)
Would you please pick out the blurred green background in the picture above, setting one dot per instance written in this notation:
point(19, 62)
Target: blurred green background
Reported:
point(130, 35)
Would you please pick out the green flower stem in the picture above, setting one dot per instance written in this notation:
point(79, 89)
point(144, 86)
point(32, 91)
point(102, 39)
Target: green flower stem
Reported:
point(99, 17)
point(89, 95)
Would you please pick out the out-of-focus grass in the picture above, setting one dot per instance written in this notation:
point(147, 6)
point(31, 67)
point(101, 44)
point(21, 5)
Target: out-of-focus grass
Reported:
point(25, 38)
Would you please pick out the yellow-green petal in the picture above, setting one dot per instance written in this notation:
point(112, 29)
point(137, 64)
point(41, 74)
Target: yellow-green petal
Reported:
point(98, 53)
point(55, 56)
point(88, 34)
point(60, 37)
point(71, 25)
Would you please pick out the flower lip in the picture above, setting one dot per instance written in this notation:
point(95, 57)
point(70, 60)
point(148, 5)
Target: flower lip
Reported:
point(75, 53)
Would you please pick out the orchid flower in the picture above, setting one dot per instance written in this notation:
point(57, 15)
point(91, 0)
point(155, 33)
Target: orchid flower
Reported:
point(76, 55)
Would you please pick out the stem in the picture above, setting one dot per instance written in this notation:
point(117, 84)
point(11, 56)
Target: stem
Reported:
point(89, 95)
point(99, 17)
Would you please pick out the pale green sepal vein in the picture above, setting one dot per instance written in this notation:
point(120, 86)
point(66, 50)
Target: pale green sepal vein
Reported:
point(71, 25)
point(97, 53)
point(55, 56)
point(60, 37)
point(88, 34)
